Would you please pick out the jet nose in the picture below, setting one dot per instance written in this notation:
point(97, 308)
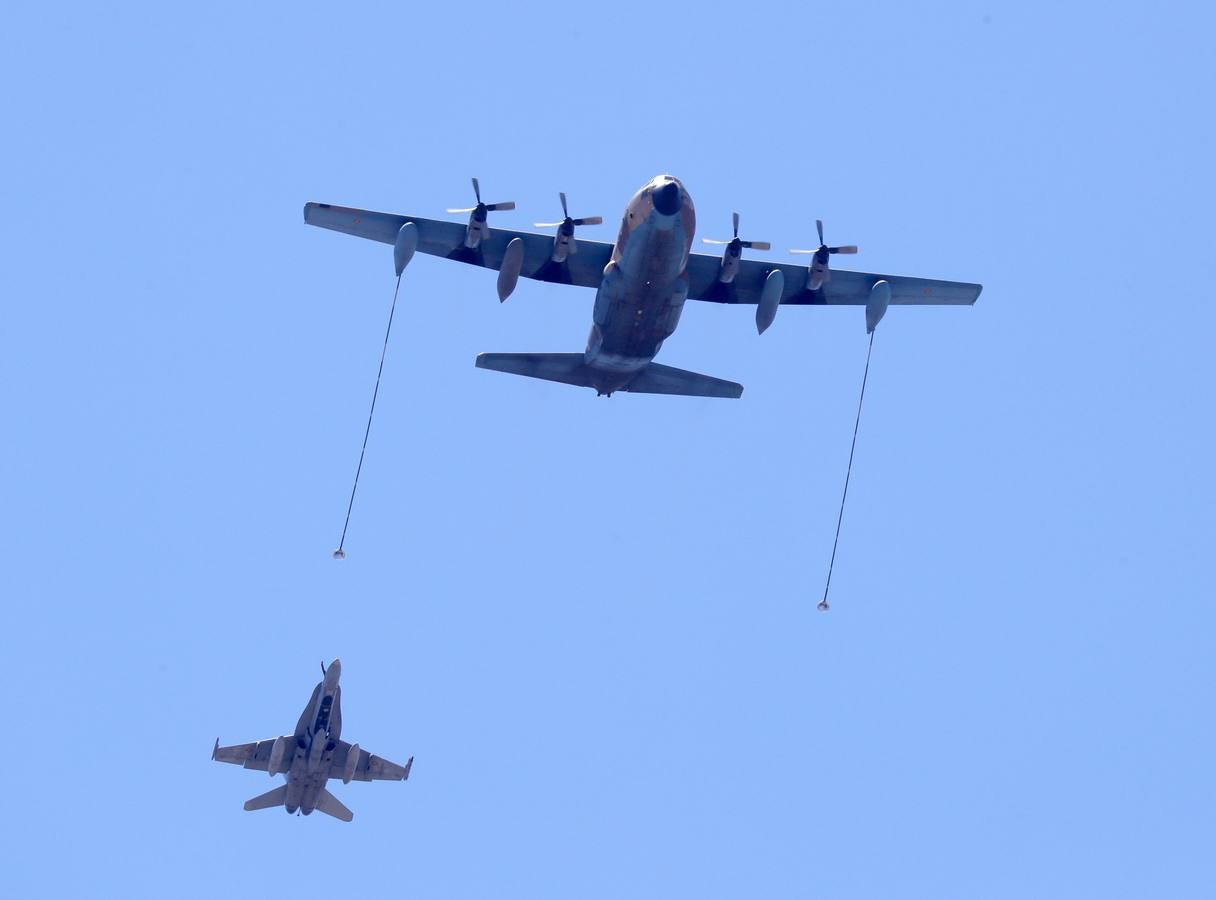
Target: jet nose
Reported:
point(667, 199)
point(334, 672)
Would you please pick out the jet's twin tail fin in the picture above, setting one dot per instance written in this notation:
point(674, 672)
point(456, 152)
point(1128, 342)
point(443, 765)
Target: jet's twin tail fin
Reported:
point(332, 806)
point(276, 797)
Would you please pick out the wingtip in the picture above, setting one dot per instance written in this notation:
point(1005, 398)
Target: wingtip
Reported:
point(216, 748)
point(409, 763)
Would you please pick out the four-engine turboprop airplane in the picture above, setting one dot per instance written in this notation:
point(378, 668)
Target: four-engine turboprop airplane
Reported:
point(312, 756)
point(641, 282)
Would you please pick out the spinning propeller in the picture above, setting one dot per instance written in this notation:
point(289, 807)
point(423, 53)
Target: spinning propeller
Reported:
point(479, 211)
point(820, 273)
point(564, 243)
point(734, 245)
point(567, 225)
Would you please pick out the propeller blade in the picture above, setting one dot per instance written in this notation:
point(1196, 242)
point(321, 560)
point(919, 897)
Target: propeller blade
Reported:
point(468, 209)
point(735, 218)
point(477, 190)
point(590, 220)
point(492, 207)
point(565, 212)
point(548, 224)
point(850, 248)
point(712, 241)
point(819, 228)
point(758, 245)
point(804, 251)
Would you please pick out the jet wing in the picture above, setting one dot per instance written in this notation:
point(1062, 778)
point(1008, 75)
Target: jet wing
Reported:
point(845, 288)
point(438, 238)
point(369, 767)
point(252, 756)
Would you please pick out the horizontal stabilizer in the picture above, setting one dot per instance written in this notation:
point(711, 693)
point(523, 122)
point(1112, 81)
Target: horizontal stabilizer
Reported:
point(276, 797)
point(571, 368)
point(658, 379)
point(568, 368)
point(332, 806)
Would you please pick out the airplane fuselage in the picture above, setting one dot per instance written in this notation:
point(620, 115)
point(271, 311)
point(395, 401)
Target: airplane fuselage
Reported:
point(645, 284)
point(315, 739)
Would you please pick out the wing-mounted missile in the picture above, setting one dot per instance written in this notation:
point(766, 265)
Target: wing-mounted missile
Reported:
point(734, 252)
point(277, 750)
point(564, 243)
point(819, 272)
point(478, 230)
point(352, 763)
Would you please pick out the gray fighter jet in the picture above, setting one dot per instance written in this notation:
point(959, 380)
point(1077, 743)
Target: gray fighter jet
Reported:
point(312, 756)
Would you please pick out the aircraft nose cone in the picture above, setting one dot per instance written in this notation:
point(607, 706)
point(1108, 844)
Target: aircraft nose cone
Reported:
point(667, 199)
point(334, 672)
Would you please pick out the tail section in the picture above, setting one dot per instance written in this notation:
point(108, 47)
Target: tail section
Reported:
point(277, 797)
point(332, 806)
point(568, 368)
point(571, 368)
point(657, 379)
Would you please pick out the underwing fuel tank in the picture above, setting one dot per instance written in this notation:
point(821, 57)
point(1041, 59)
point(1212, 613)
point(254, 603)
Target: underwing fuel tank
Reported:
point(275, 764)
point(352, 763)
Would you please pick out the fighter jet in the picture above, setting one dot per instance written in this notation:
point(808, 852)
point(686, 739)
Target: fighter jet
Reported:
point(311, 756)
point(641, 282)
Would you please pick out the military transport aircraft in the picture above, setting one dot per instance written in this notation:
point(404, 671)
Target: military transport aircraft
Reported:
point(641, 282)
point(312, 756)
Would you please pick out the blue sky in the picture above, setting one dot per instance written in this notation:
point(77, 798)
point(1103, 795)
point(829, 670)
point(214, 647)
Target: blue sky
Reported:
point(592, 621)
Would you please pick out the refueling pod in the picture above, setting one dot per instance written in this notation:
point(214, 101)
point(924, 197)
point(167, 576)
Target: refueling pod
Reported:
point(876, 308)
point(404, 246)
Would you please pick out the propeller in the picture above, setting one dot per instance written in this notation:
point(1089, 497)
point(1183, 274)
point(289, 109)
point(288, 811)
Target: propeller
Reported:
point(823, 251)
point(567, 224)
point(737, 245)
point(820, 272)
point(479, 211)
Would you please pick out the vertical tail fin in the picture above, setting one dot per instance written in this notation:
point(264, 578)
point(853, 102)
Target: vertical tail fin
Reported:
point(276, 797)
point(332, 806)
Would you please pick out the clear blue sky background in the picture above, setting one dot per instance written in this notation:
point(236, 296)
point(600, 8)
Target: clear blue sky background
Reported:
point(593, 621)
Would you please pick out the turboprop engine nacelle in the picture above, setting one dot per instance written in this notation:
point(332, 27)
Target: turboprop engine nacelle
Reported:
point(277, 750)
point(352, 763)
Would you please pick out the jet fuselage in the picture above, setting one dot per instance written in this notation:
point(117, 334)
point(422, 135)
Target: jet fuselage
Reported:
point(316, 738)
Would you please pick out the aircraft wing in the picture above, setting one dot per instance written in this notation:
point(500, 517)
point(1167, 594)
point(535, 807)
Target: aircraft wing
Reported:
point(438, 238)
point(845, 288)
point(252, 756)
point(369, 767)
